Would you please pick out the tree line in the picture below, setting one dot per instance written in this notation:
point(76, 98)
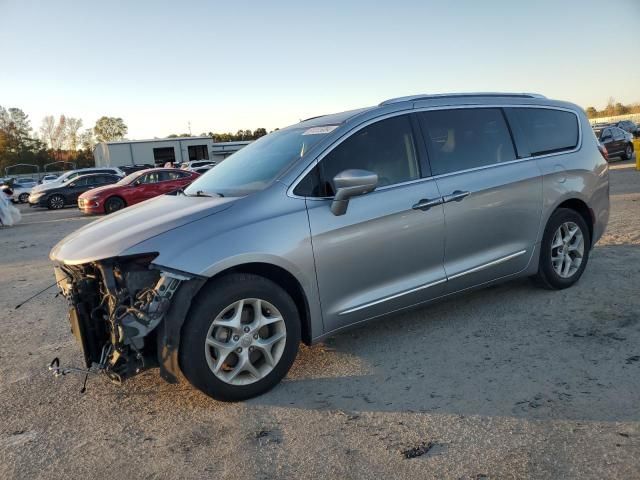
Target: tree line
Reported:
point(240, 135)
point(613, 109)
point(57, 139)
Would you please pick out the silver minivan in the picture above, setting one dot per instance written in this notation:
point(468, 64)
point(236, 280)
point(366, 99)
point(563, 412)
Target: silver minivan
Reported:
point(331, 222)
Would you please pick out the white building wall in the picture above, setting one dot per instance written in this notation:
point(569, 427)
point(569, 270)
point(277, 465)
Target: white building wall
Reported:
point(116, 154)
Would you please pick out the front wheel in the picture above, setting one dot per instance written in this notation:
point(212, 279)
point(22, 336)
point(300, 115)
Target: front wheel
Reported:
point(564, 250)
point(113, 204)
point(23, 197)
point(55, 202)
point(240, 338)
point(628, 152)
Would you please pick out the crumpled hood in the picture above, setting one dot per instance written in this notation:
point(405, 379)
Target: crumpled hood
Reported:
point(111, 235)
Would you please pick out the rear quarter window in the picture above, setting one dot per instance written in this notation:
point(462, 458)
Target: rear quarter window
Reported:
point(544, 130)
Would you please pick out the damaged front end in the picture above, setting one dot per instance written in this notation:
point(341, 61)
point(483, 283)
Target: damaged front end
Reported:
point(115, 308)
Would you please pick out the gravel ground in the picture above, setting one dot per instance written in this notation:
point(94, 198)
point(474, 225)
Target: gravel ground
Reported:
point(507, 382)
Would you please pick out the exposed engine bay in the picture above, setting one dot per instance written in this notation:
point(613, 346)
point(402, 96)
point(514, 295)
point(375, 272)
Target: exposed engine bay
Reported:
point(115, 307)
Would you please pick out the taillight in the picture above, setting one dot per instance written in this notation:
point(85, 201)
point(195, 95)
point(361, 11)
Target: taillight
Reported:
point(603, 151)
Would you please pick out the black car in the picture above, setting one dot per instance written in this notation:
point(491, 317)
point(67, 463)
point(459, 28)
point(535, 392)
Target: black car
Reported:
point(616, 141)
point(57, 196)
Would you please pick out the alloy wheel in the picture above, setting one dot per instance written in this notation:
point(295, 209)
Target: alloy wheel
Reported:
point(56, 202)
point(567, 249)
point(245, 341)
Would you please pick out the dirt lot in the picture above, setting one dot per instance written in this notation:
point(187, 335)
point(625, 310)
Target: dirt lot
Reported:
point(509, 382)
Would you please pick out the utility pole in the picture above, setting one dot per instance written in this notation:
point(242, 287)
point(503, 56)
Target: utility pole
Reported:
point(189, 123)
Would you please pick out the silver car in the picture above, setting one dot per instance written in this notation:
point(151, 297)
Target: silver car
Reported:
point(331, 222)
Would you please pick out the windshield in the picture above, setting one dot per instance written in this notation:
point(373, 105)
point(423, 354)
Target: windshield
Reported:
point(257, 165)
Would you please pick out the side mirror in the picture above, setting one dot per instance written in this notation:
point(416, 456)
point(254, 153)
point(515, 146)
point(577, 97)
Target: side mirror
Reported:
point(351, 183)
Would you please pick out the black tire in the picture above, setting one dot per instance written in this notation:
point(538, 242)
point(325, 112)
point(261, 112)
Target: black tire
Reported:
point(628, 152)
point(547, 277)
point(23, 198)
point(113, 204)
point(212, 300)
point(55, 202)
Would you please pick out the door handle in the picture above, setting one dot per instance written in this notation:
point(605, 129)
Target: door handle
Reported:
point(425, 204)
point(456, 196)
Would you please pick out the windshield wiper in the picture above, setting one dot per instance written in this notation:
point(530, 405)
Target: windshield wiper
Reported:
point(202, 193)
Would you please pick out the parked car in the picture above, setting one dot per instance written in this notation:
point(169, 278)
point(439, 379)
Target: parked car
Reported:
point(134, 188)
point(71, 174)
point(48, 178)
point(193, 165)
point(331, 222)
point(202, 170)
point(59, 196)
point(616, 141)
point(25, 182)
point(128, 169)
point(628, 126)
point(21, 188)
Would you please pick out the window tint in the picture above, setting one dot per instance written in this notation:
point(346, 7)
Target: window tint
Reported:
point(81, 182)
point(150, 178)
point(546, 130)
point(386, 147)
point(171, 176)
point(461, 139)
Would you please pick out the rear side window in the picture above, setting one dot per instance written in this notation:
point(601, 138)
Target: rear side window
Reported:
point(545, 130)
point(462, 139)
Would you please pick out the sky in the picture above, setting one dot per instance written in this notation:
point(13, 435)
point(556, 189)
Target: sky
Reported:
point(223, 66)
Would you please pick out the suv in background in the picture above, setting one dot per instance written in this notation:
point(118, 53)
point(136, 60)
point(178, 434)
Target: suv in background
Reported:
point(329, 223)
point(616, 141)
point(628, 126)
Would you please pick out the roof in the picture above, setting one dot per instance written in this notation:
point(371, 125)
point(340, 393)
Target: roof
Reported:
point(413, 98)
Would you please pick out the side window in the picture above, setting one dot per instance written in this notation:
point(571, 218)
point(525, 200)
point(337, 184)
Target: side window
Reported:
point(461, 139)
point(546, 130)
point(386, 147)
point(166, 176)
point(82, 182)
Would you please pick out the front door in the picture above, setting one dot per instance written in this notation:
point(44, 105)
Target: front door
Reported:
point(492, 202)
point(386, 251)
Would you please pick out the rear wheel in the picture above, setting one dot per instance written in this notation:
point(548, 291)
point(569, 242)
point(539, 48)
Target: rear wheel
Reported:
point(628, 152)
point(55, 202)
point(113, 204)
point(23, 198)
point(240, 338)
point(564, 250)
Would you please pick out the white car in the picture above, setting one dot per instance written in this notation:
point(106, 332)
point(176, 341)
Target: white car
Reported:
point(48, 179)
point(197, 164)
point(20, 193)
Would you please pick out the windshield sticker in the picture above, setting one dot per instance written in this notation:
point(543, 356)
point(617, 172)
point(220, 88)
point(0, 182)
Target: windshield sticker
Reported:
point(320, 130)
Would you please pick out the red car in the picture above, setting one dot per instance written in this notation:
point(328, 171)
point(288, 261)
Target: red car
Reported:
point(134, 188)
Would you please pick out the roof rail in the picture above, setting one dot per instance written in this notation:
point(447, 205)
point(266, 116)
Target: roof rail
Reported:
point(413, 98)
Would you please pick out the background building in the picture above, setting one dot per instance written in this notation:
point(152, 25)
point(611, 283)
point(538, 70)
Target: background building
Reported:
point(159, 151)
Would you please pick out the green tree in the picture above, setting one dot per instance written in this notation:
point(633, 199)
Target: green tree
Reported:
point(591, 112)
point(259, 132)
point(109, 129)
